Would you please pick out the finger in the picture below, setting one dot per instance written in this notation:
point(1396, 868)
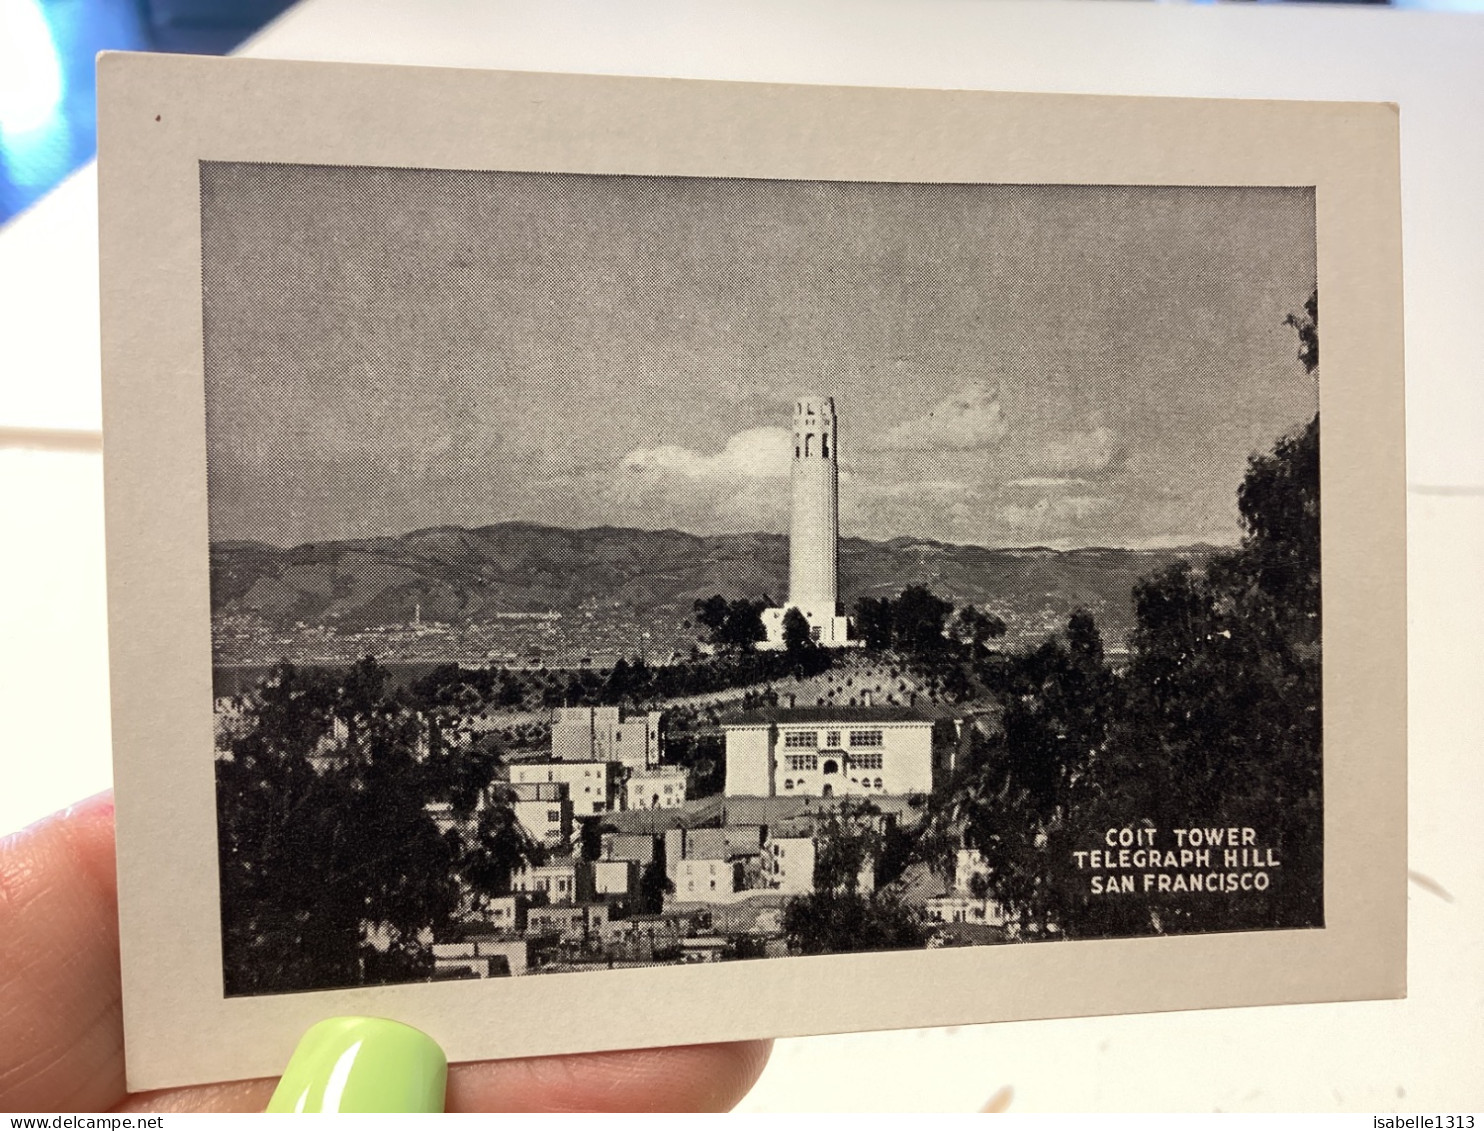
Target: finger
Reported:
point(696, 1078)
point(999, 1103)
point(61, 1017)
point(234, 1095)
point(61, 1022)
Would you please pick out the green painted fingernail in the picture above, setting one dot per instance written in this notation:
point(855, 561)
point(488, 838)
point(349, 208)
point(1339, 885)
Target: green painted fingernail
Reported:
point(363, 1064)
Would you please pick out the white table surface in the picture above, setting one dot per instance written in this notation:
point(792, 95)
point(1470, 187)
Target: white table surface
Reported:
point(1422, 1054)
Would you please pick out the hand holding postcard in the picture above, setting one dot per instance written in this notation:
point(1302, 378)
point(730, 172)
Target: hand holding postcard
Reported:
point(604, 562)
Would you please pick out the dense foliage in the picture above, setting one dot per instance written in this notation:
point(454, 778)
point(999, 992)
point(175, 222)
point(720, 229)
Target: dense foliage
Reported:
point(845, 922)
point(734, 625)
point(333, 870)
point(631, 682)
point(1216, 721)
point(848, 842)
point(920, 624)
point(796, 634)
point(852, 846)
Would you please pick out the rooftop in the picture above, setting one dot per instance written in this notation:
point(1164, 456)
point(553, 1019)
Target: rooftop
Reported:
point(970, 934)
point(782, 716)
point(545, 761)
point(774, 811)
point(539, 791)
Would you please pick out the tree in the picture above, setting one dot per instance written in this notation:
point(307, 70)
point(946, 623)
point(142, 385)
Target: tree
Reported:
point(1307, 326)
point(797, 638)
point(1018, 802)
point(1084, 641)
point(654, 885)
point(711, 614)
point(873, 620)
point(590, 837)
point(733, 625)
point(512, 693)
point(333, 871)
point(918, 621)
point(1225, 681)
point(1216, 720)
point(1225, 690)
point(1279, 503)
point(703, 754)
point(744, 624)
point(622, 683)
point(976, 628)
point(847, 842)
point(486, 856)
point(271, 865)
point(846, 922)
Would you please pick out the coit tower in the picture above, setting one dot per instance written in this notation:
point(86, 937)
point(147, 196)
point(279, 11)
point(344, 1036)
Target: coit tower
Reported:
point(814, 529)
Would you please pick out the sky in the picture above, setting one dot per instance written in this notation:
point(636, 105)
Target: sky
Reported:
point(393, 349)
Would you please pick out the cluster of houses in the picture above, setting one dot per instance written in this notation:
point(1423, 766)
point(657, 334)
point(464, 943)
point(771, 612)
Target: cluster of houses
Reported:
point(673, 879)
point(600, 762)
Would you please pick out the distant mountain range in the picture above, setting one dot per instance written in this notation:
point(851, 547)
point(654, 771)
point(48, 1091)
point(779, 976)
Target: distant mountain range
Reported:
point(496, 574)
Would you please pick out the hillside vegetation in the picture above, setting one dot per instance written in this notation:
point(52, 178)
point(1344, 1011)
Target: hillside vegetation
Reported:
point(647, 579)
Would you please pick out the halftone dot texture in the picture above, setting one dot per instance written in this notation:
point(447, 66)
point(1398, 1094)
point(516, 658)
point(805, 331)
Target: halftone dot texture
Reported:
point(413, 362)
point(389, 350)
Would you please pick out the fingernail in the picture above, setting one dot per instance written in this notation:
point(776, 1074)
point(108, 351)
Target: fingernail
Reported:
point(363, 1064)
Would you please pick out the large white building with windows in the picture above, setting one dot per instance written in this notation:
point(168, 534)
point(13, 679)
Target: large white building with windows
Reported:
point(828, 752)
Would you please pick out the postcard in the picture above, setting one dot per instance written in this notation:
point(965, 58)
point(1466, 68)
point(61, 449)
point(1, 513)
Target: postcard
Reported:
point(605, 562)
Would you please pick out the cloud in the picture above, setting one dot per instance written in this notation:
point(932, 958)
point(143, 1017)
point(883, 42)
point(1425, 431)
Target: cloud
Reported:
point(757, 453)
point(1045, 482)
point(967, 420)
point(917, 489)
point(742, 487)
point(1053, 516)
point(1080, 453)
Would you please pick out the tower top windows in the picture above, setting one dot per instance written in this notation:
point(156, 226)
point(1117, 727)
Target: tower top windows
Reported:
point(821, 408)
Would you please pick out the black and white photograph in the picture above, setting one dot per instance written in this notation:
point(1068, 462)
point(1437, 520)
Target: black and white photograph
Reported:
point(659, 562)
point(616, 571)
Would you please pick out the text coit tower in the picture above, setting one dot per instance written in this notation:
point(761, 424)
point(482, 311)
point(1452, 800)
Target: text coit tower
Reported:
point(814, 529)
